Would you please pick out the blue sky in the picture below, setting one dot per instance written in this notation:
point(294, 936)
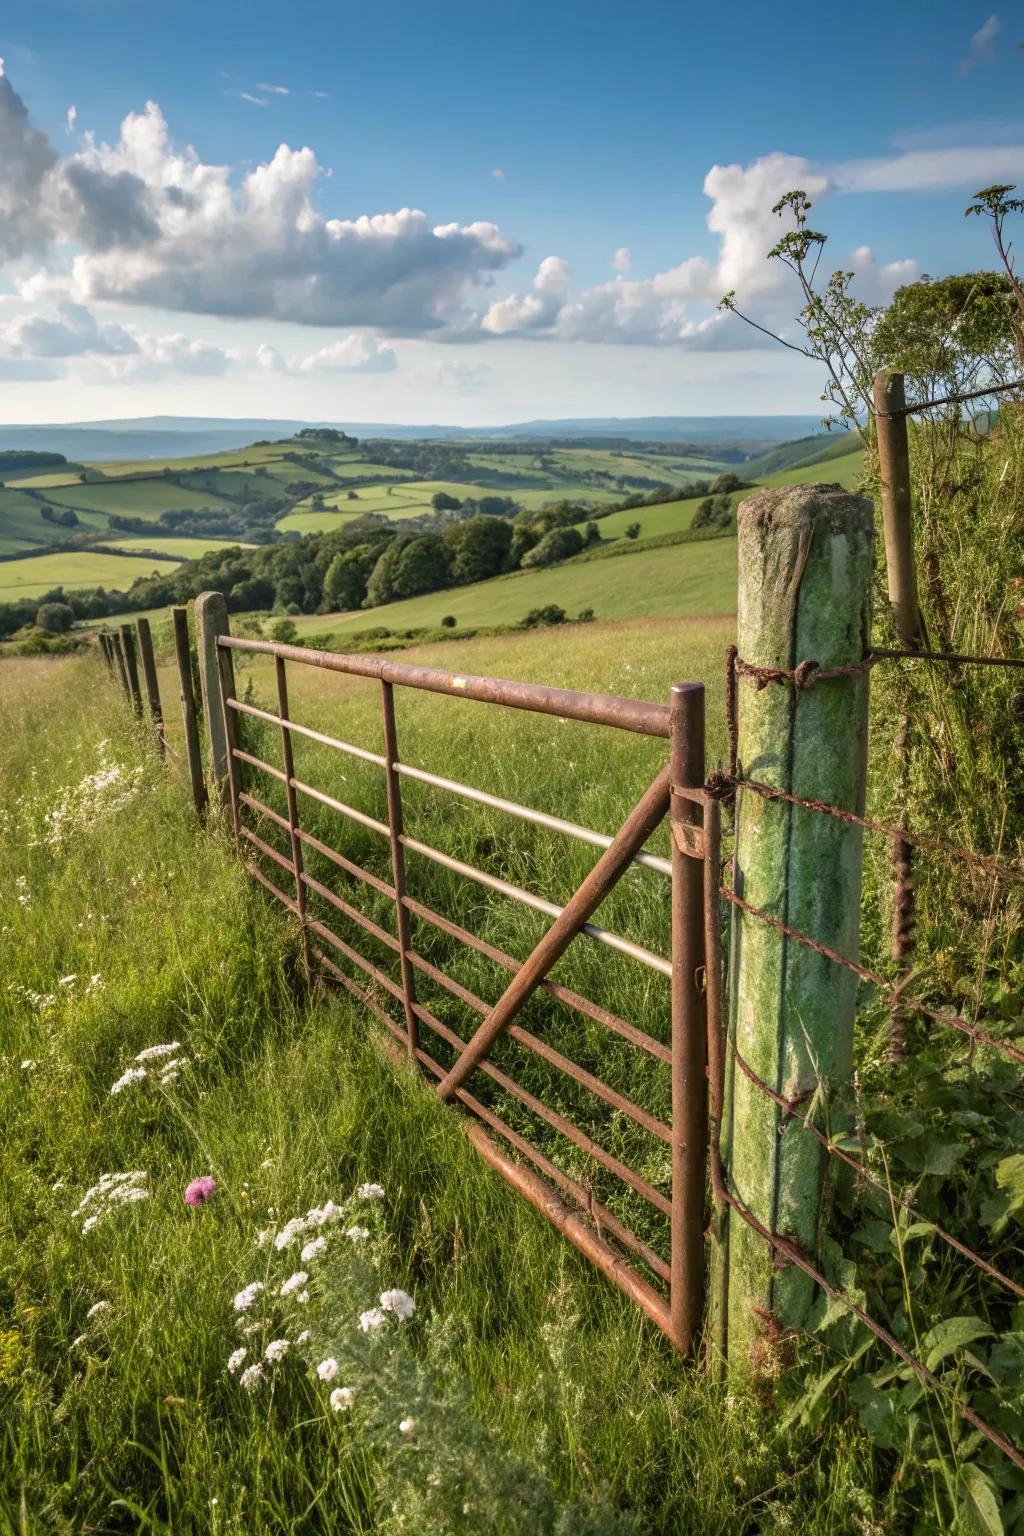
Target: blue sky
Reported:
point(563, 158)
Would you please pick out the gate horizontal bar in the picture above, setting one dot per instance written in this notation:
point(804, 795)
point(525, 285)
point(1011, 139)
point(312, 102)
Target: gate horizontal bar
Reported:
point(551, 1117)
point(339, 805)
point(265, 848)
point(355, 957)
point(257, 874)
point(525, 813)
point(594, 708)
point(528, 899)
point(359, 992)
point(356, 870)
point(367, 923)
point(263, 810)
point(305, 730)
point(555, 1057)
point(563, 994)
point(257, 762)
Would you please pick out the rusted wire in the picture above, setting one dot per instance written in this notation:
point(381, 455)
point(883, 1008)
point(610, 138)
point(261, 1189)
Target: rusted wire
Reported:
point(924, 840)
point(980, 1036)
point(791, 1106)
point(806, 674)
point(927, 405)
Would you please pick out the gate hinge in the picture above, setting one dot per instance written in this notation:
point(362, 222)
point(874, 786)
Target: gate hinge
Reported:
point(688, 838)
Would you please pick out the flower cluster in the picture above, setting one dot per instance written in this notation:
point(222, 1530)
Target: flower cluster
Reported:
point(95, 799)
point(161, 1063)
point(113, 1189)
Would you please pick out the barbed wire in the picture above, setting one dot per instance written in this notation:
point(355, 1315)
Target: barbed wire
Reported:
point(927, 405)
point(964, 1026)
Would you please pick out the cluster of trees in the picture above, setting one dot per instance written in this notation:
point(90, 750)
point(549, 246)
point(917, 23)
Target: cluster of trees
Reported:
point(29, 458)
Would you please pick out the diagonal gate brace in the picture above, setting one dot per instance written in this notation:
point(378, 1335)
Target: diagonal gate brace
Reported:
point(612, 864)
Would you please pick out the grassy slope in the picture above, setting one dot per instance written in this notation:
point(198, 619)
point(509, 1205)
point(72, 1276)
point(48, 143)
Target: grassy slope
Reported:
point(139, 498)
point(75, 568)
point(533, 1382)
point(180, 548)
point(684, 580)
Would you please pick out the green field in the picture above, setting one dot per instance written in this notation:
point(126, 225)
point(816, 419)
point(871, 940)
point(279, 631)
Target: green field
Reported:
point(72, 568)
point(178, 549)
point(139, 498)
point(680, 581)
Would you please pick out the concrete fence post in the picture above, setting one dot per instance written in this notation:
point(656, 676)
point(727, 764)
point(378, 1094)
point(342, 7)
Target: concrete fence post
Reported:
point(211, 618)
point(805, 562)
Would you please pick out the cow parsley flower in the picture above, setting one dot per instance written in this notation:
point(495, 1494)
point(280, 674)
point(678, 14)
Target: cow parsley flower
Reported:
point(251, 1376)
point(245, 1297)
point(357, 1234)
point(154, 1052)
point(371, 1319)
point(235, 1358)
point(97, 1308)
point(133, 1075)
point(303, 1337)
point(370, 1192)
point(276, 1350)
point(406, 1426)
point(398, 1302)
point(327, 1369)
point(294, 1282)
point(312, 1249)
point(341, 1399)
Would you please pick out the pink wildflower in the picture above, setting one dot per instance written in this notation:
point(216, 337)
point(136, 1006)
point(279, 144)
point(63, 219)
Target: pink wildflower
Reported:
point(200, 1190)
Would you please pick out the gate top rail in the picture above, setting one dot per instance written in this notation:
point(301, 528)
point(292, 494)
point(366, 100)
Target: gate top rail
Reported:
point(646, 719)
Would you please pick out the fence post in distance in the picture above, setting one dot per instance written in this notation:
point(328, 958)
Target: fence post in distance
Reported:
point(805, 563)
point(131, 668)
point(193, 754)
point(156, 713)
point(211, 617)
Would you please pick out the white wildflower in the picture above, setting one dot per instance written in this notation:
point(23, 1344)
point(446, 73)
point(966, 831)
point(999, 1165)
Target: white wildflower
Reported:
point(97, 1308)
point(276, 1350)
point(236, 1357)
point(327, 1369)
point(251, 1376)
point(289, 1232)
point(83, 1338)
point(263, 1238)
point(133, 1075)
point(406, 1426)
point(88, 1224)
point(370, 1192)
point(268, 1162)
point(154, 1052)
point(302, 1297)
point(294, 1282)
point(29, 1065)
point(357, 1234)
point(67, 981)
point(341, 1399)
point(398, 1302)
point(247, 1295)
point(374, 1318)
point(312, 1249)
point(303, 1337)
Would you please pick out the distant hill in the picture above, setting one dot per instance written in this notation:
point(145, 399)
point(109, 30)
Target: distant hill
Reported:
point(162, 437)
point(805, 450)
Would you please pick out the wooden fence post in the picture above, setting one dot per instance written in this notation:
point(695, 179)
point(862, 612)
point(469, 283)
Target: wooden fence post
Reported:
point(106, 649)
point(805, 563)
point(131, 668)
point(156, 713)
point(211, 616)
point(897, 507)
point(193, 755)
point(117, 651)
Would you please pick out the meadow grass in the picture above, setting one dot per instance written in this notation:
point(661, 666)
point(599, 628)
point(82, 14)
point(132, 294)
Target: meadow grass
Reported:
point(73, 568)
point(181, 548)
point(542, 1401)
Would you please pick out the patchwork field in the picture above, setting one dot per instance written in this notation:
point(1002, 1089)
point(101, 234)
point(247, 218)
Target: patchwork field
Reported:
point(77, 568)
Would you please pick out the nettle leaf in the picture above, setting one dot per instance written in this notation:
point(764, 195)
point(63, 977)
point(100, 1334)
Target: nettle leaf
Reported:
point(874, 1235)
point(1006, 1359)
point(941, 1157)
point(979, 1503)
point(1010, 1178)
point(877, 1411)
point(951, 1334)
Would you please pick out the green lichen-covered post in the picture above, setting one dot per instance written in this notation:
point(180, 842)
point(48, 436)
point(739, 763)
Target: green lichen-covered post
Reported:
point(805, 563)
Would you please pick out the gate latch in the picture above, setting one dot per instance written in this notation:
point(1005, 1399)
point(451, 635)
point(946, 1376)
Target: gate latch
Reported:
point(689, 838)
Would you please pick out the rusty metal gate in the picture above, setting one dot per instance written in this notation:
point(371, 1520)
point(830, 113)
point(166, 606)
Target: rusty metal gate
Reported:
point(671, 1290)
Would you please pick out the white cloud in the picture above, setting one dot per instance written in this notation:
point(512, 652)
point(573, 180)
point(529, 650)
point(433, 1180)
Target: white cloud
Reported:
point(621, 260)
point(269, 357)
point(933, 170)
point(70, 118)
point(40, 345)
point(157, 226)
point(353, 354)
point(463, 378)
point(275, 90)
point(498, 173)
point(982, 46)
point(255, 101)
point(536, 310)
point(74, 332)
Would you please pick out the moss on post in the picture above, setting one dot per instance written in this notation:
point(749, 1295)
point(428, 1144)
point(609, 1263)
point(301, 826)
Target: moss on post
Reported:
point(805, 563)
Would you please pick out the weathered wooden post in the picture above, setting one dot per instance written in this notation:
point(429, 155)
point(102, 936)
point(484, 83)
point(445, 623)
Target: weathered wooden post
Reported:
point(805, 561)
point(117, 651)
point(193, 755)
point(211, 616)
point(131, 668)
point(106, 650)
point(890, 402)
point(156, 713)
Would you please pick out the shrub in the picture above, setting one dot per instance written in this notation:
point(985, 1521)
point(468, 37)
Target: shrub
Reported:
point(449, 621)
point(551, 614)
point(55, 618)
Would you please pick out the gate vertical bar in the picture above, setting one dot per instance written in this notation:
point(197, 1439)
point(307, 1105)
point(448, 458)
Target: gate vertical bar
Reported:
point(689, 1029)
point(183, 655)
point(718, 1337)
point(156, 713)
point(225, 674)
point(288, 758)
point(394, 793)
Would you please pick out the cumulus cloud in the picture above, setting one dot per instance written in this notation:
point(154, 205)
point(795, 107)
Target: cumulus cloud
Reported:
point(73, 332)
point(932, 170)
point(156, 225)
point(536, 310)
point(982, 46)
point(353, 354)
point(463, 378)
point(621, 260)
point(40, 346)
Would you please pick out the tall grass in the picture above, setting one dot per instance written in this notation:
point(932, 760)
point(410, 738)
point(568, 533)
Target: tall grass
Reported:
point(542, 1400)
